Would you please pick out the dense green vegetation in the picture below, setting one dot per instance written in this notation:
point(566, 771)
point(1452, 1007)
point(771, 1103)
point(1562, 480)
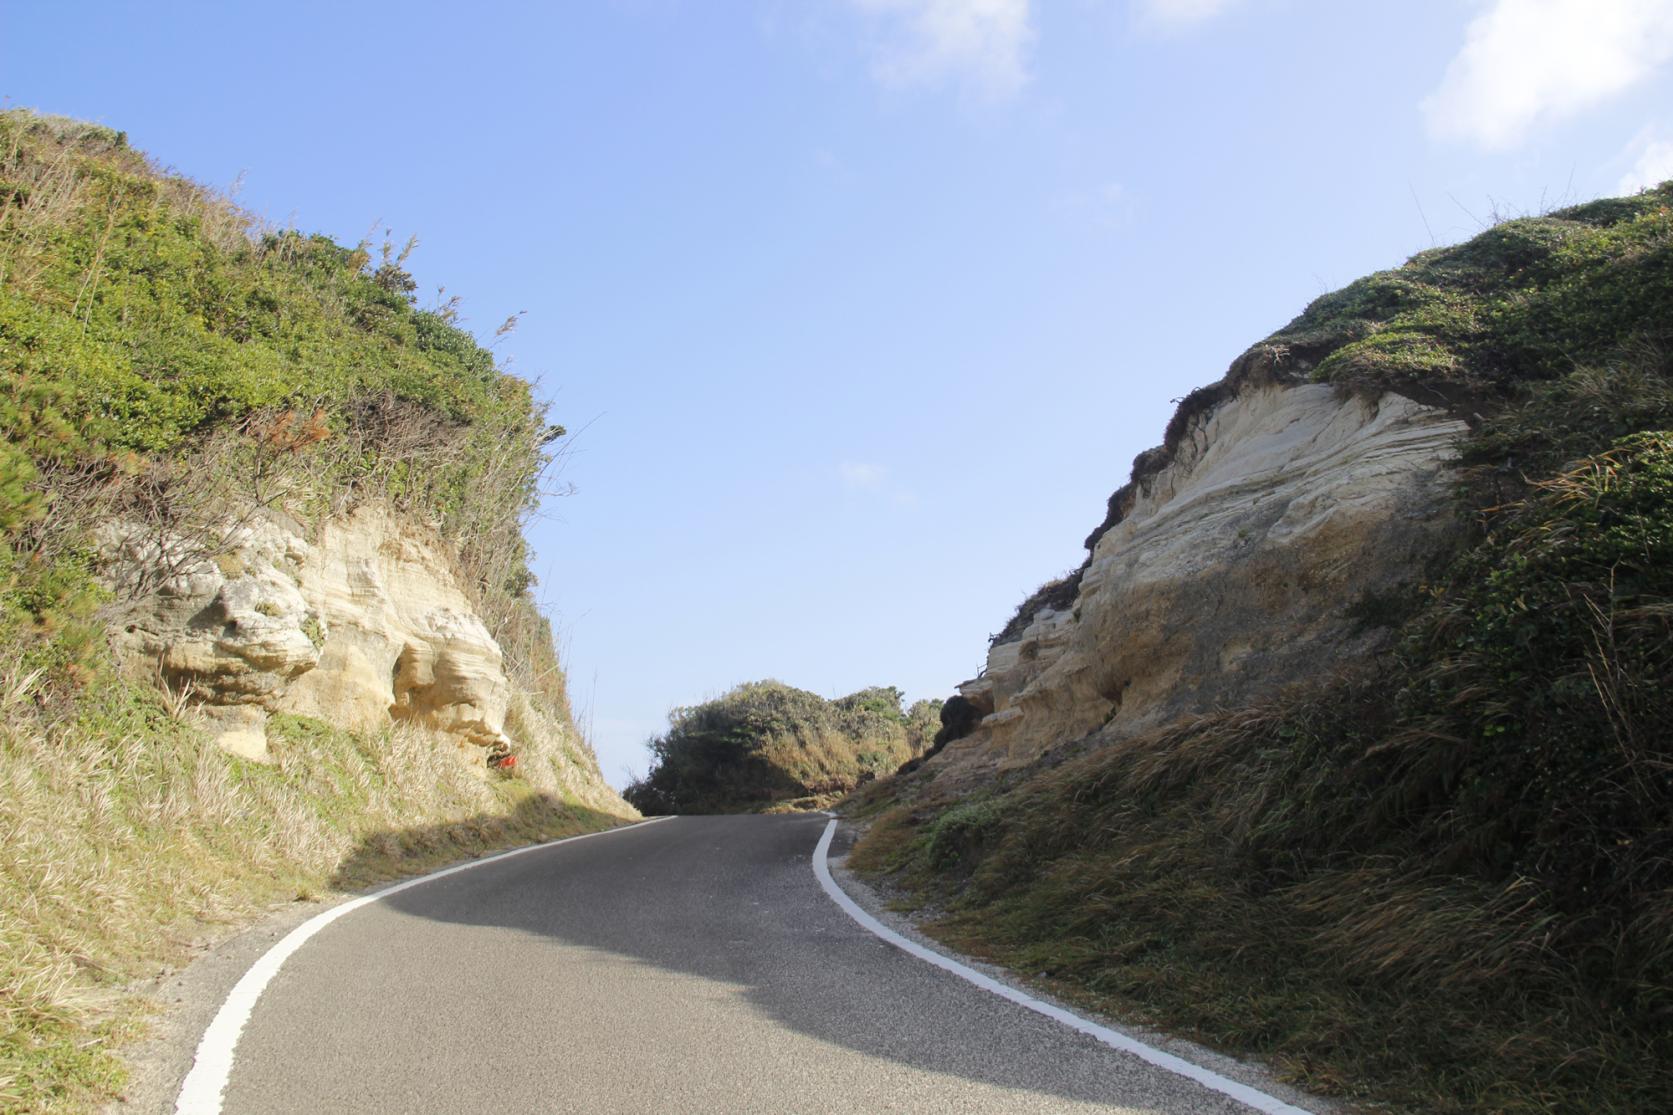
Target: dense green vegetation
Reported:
point(147, 327)
point(765, 744)
point(169, 361)
point(1527, 300)
point(1445, 881)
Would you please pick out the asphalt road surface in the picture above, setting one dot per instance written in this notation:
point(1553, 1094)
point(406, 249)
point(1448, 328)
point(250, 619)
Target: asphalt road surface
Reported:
point(693, 965)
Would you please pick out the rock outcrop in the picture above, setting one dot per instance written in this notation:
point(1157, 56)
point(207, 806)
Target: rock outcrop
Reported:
point(1230, 572)
point(364, 626)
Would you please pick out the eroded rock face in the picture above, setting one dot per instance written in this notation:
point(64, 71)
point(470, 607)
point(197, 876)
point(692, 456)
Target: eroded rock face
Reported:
point(365, 626)
point(401, 639)
point(1230, 576)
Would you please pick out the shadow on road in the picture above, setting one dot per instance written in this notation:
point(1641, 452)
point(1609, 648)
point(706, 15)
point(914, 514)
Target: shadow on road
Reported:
point(733, 900)
point(537, 818)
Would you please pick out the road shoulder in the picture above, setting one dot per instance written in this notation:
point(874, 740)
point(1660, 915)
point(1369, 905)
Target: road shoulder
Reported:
point(876, 902)
point(184, 1000)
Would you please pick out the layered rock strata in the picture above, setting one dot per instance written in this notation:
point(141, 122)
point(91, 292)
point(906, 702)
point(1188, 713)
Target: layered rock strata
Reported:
point(1231, 571)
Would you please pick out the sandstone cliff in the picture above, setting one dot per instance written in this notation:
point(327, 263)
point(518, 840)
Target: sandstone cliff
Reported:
point(1347, 745)
point(366, 626)
point(1230, 571)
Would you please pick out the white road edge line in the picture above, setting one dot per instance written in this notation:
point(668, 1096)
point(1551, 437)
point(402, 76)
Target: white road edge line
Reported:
point(200, 1093)
point(1242, 1093)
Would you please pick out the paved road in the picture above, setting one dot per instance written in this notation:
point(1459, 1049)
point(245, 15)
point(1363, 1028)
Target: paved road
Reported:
point(693, 965)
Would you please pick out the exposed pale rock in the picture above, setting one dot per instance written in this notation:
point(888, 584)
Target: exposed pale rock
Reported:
point(404, 641)
point(1229, 576)
point(238, 729)
point(220, 633)
point(367, 625)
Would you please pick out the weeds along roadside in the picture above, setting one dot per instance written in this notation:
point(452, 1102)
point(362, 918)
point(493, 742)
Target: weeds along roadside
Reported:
point(1448, 886)
point(173, 364)
point(126, 838)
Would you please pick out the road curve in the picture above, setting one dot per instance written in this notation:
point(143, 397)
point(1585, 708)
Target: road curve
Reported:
point(693, 965)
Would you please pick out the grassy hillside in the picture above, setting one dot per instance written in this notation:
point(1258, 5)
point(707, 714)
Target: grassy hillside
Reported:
point(1445, 880)
point(167, 359)
point(766, 744)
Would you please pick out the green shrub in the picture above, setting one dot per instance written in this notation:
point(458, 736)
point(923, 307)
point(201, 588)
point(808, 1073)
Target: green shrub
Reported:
point(959, 835)
point(766, 743)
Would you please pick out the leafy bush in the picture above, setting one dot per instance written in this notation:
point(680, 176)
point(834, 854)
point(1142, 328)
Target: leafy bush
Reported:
point(958, 836)
point(766, 743)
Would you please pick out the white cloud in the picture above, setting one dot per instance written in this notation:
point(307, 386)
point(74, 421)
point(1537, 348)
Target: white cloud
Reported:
point(983, 41)
point(858, 476)
point(1529, 62)
point(1654, 166)
point(1175, 15)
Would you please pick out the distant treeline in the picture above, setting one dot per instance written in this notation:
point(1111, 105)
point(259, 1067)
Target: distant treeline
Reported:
point(767, 744)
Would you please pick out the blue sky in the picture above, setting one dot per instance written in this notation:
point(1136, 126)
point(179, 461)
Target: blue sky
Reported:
point(861, 307)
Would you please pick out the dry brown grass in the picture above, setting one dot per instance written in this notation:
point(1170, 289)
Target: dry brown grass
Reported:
point(1182, 879)
point(125, 837)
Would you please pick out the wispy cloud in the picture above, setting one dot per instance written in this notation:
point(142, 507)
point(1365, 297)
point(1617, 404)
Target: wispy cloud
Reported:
point(1178, 15)
point(861, 476)
point(1654, 165)
point(1530, 62)
point(873, 484)
point(983, 43)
